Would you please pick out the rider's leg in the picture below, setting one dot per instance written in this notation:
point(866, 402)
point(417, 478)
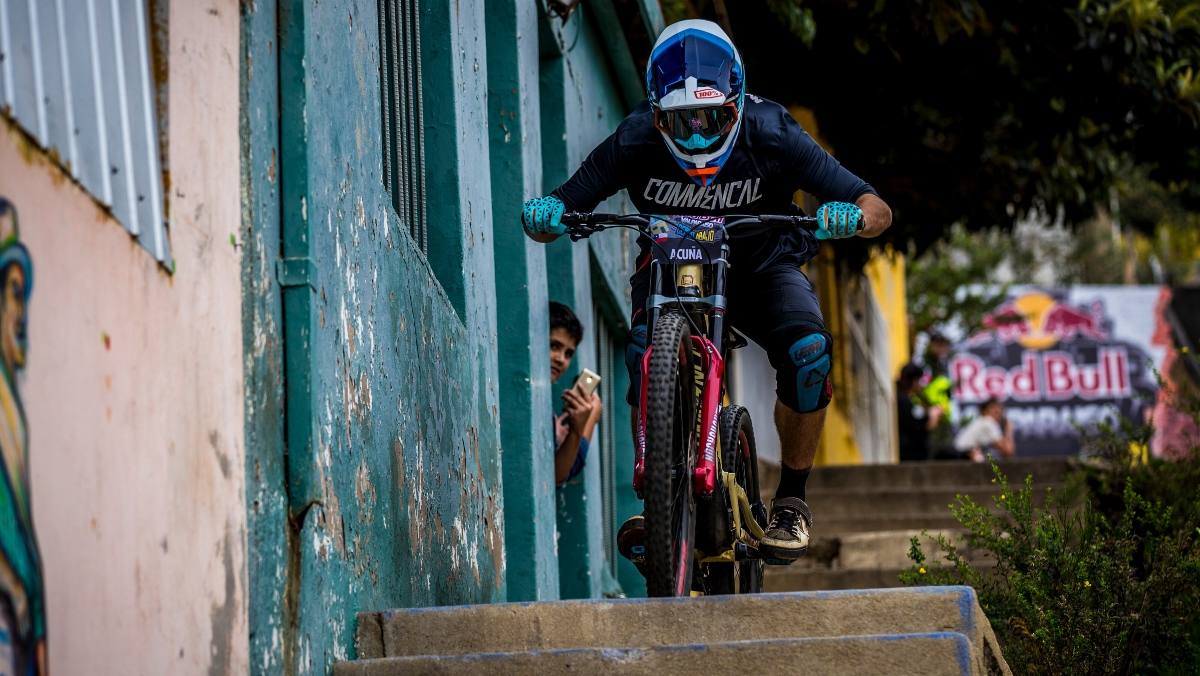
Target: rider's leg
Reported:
point(801, 351)
point(784, 317)
point(799, 434)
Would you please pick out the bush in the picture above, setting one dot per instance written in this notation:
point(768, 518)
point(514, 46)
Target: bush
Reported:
point(1105, 579)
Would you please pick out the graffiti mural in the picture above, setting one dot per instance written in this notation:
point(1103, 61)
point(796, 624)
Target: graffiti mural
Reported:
point(22, 602)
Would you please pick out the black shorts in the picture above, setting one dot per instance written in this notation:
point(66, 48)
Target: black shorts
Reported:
point(768, 299)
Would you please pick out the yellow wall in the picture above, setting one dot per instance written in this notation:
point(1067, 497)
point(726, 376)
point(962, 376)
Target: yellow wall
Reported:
point(886, 274)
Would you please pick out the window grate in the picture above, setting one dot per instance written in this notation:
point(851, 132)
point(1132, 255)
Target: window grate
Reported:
point(403, 114)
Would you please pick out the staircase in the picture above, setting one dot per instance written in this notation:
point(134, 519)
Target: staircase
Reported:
point(865, 516)
point(930, 630)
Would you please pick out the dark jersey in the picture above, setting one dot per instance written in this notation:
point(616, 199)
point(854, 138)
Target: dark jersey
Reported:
point(772, 158)
point(914, 436)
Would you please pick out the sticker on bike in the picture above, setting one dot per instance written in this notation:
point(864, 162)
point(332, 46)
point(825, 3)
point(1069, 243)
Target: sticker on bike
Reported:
point(687, 239)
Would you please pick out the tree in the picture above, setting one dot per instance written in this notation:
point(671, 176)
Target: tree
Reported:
point(968, 110)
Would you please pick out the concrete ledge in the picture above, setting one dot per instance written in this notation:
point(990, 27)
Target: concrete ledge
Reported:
point(932, 654)
point(653, 623)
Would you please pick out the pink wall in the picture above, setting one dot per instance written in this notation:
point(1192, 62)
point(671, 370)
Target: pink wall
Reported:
point(136, 445)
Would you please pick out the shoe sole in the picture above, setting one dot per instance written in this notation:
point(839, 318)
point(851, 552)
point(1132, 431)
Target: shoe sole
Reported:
point(771, 554)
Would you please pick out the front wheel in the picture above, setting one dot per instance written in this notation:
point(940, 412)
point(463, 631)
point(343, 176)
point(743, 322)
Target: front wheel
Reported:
point(671, 447)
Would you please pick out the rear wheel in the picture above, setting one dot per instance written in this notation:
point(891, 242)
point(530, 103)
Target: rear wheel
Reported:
point(738, 455)
point(670, 459)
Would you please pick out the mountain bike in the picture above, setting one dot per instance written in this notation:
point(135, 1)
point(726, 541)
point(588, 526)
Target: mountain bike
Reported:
point(695, 465)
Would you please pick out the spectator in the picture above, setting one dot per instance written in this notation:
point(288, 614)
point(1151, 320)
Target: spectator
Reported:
point(573, 429)
point(916, 418)
point(935, 379)
point(935, 391)
point(986, 435)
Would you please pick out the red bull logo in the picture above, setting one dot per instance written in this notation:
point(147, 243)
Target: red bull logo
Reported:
point(1038, 321)
point(1052, 376)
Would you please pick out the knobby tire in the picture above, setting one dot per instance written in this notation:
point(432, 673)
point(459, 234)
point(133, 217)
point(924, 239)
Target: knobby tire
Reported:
point(671, 444)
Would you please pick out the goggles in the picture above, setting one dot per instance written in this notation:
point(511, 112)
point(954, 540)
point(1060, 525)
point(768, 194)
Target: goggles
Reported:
point(696, 130)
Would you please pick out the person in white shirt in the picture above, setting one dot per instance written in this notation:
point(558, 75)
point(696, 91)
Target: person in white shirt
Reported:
point(986, 435)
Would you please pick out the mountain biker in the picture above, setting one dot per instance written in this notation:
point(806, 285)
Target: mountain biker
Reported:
point(702, 145)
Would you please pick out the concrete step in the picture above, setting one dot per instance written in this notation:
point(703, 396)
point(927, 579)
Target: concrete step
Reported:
point(933, 654)
point(921, 474)
point(539, 634)
point(843, 503)
point(884, 522)
point(858, 561)
point(793, 579)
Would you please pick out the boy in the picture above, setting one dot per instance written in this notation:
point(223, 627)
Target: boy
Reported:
point(984, 434)
point(573, 429)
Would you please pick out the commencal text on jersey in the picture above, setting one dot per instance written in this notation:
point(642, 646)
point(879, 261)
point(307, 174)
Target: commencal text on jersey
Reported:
point(692, 196)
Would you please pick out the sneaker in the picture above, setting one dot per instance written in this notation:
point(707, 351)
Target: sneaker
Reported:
point(786, 538)
point(631, 542)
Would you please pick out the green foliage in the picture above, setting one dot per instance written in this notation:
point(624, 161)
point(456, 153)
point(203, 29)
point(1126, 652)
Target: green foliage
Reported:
point(1168, 235)
point(961, 110)
point(1104, 579)
point(1074, 592)
point(796, 18)
point(951, 283)
point(676, 10)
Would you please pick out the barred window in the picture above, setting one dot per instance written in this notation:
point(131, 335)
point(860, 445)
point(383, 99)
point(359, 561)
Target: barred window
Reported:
point(605, 452)
point(75, 75)
point(403, 118)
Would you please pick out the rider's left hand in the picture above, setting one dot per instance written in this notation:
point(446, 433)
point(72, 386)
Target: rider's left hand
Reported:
point(838, 220)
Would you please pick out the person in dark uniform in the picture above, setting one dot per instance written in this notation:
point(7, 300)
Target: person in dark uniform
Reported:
point(915, 416)
point(701, 145)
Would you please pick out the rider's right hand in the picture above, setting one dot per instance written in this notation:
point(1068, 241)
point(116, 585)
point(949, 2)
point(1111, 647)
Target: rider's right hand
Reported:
point(543, 216)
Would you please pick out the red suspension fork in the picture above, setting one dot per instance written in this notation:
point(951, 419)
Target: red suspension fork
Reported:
point(705, 475)
point(639, 451)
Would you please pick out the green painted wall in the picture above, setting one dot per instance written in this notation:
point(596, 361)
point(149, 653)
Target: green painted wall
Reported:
point(581, 104)
point(383, 381)
point(390, 464)
point(268, 529)
point(521, 303)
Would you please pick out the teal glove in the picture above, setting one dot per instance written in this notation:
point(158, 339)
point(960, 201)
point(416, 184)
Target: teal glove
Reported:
point(838, 220)
point(543, 216)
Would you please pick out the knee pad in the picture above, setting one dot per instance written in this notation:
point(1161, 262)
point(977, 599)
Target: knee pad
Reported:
point(802, 373)
point(812, 357)
point(635, 347)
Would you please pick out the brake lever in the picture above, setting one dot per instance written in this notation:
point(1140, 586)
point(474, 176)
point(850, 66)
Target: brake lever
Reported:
point(584, 230)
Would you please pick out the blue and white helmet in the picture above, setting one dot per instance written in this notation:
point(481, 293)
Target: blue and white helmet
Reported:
point(696, 85)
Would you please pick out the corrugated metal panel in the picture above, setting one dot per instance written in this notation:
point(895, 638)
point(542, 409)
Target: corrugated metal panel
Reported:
point(76, 75)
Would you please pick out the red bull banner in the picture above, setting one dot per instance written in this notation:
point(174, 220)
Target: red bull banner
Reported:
point(1062, 359)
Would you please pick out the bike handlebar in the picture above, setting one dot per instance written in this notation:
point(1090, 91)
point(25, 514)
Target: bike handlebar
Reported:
point(582, 224)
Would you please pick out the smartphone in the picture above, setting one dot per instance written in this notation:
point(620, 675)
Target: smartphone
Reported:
point(587, 381)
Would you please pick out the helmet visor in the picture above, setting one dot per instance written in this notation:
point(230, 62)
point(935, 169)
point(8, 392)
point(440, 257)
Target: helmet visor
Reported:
point(696, 131)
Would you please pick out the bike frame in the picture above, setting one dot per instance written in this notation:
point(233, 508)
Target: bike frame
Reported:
point(712, 364)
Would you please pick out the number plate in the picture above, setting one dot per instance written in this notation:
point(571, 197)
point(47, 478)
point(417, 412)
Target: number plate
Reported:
point(687, 239)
